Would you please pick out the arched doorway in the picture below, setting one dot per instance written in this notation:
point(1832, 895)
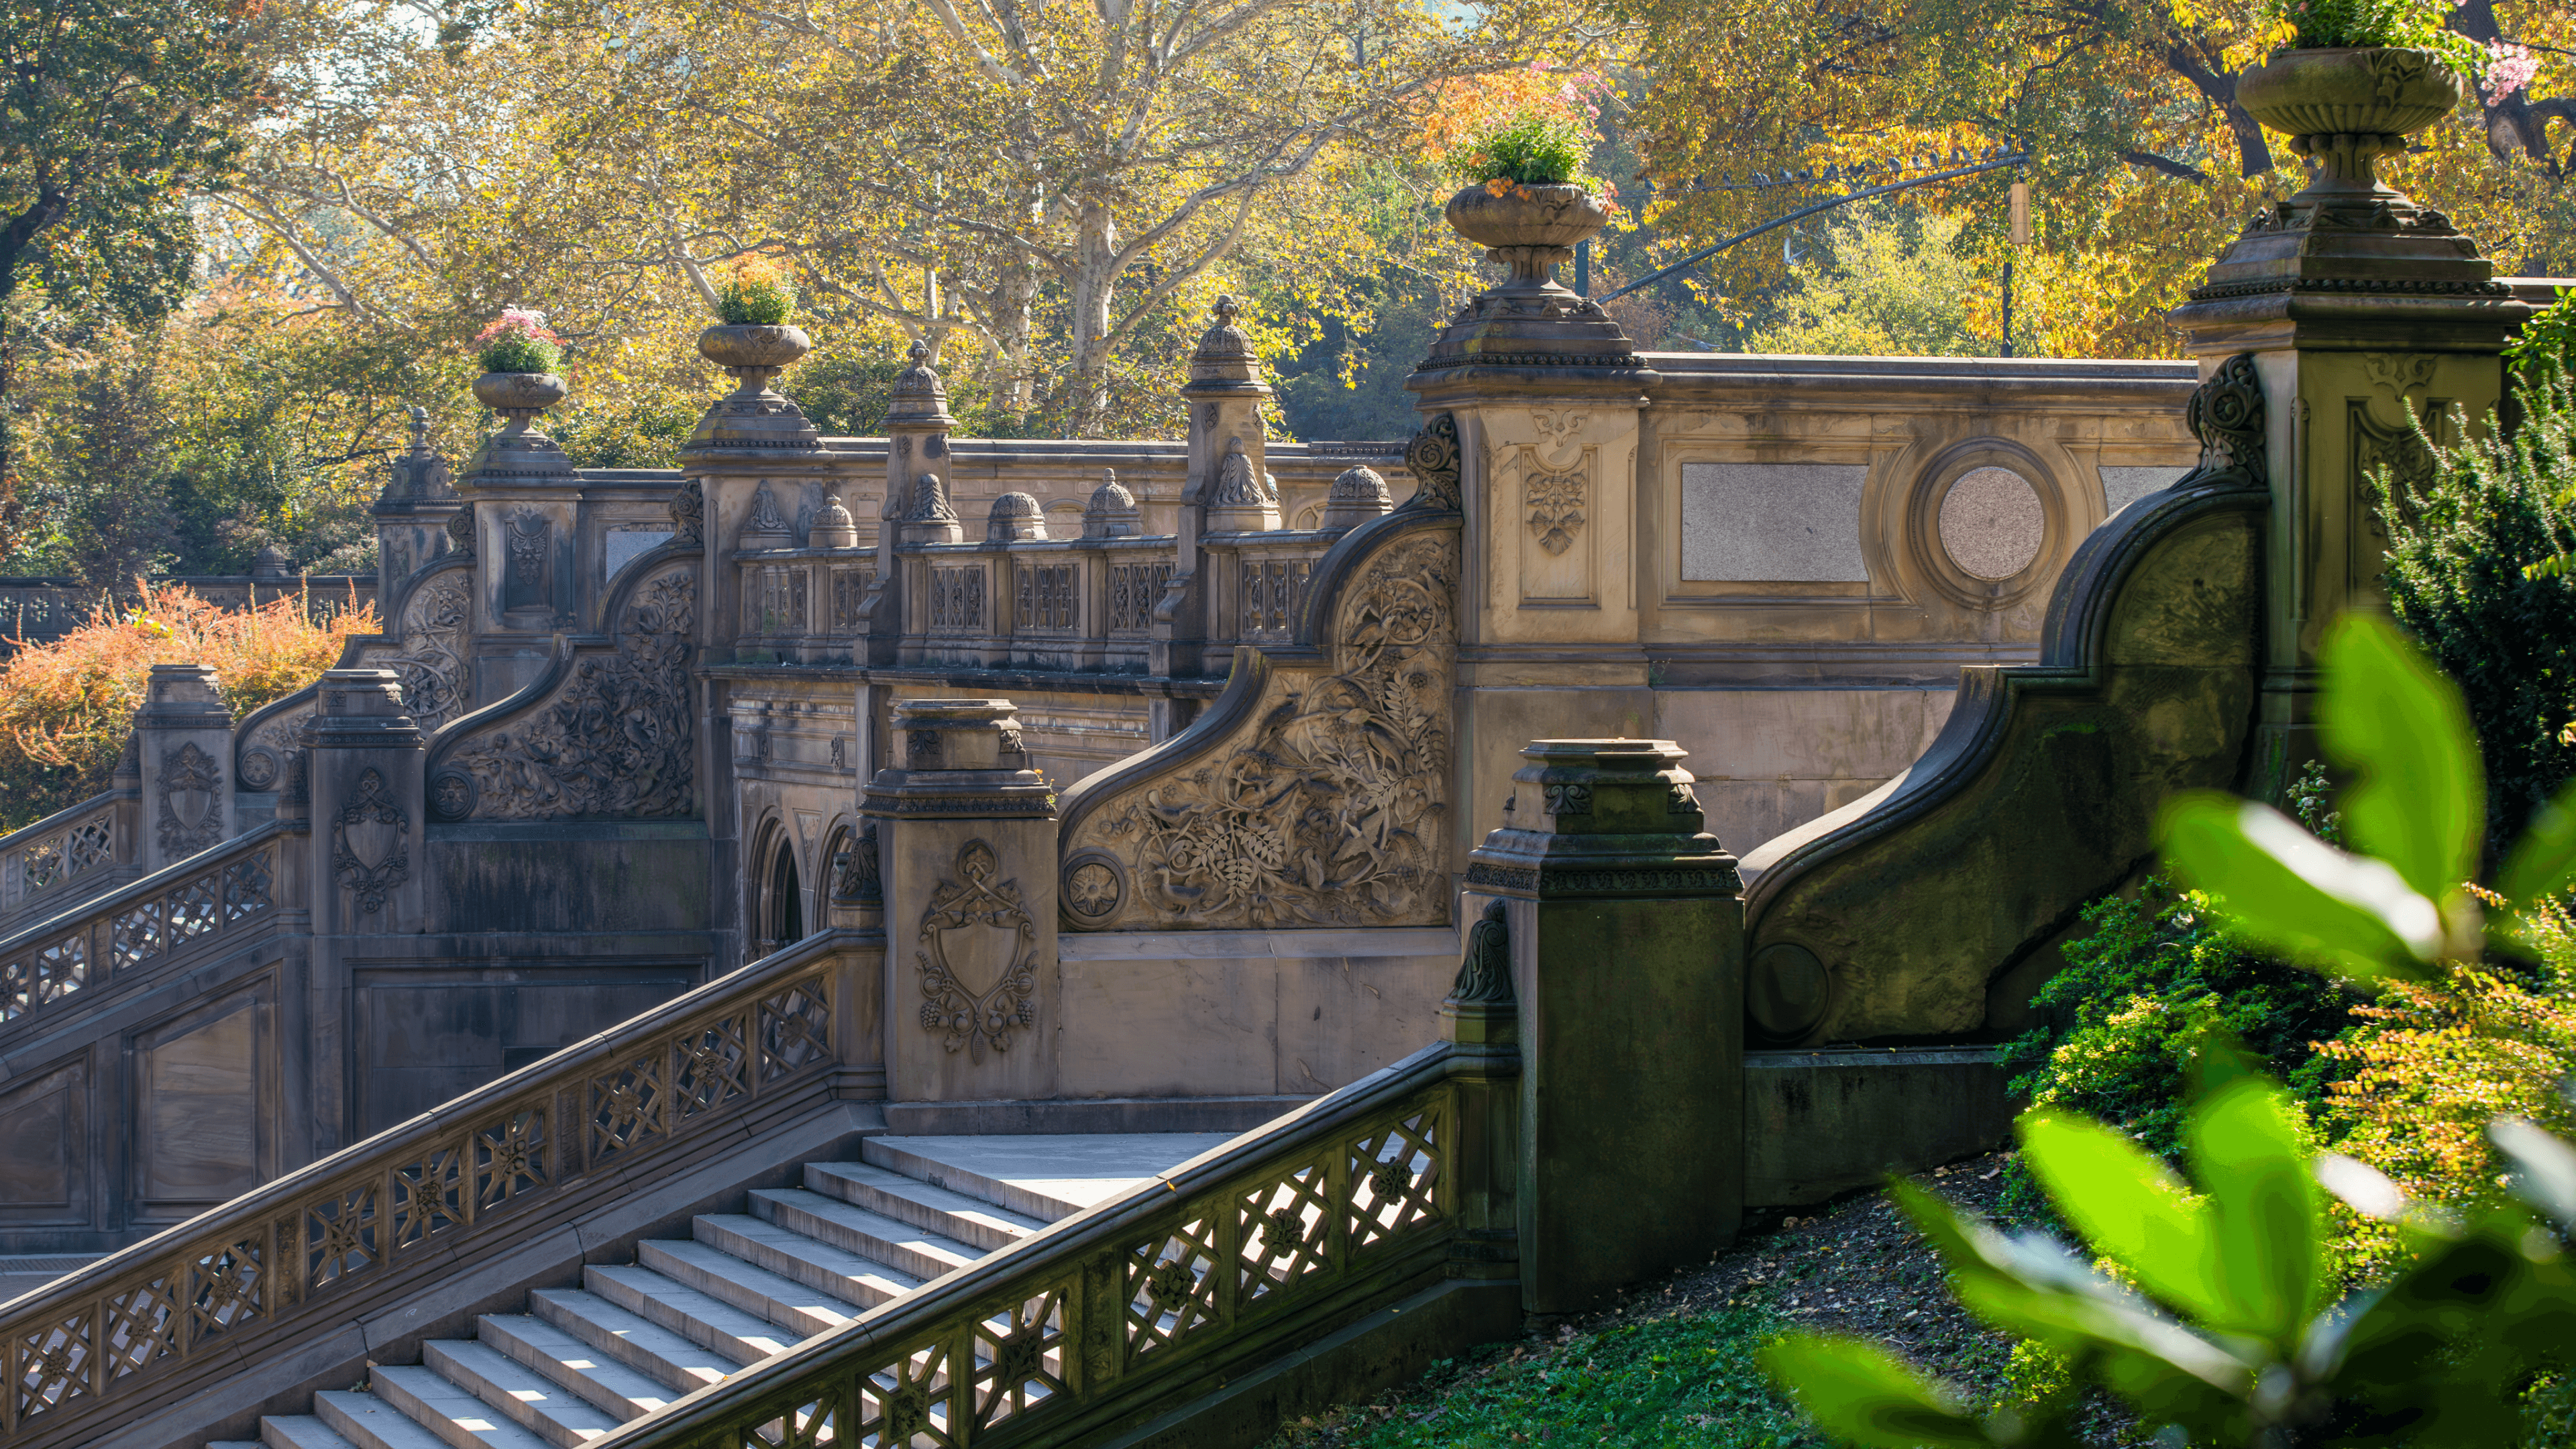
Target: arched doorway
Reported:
point(782, 898)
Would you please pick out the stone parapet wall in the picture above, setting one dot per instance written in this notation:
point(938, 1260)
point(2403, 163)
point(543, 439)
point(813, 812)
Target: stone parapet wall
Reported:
point(41, 610)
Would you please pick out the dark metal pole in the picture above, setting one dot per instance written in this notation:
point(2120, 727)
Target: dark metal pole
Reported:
point(1704, 253)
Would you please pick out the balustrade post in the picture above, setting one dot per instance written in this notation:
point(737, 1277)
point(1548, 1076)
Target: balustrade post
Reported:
point(1480, 1020)
point(1627, 963)
point(364, 765)
point(967, 857)
point(412, 513)
point(184, 743)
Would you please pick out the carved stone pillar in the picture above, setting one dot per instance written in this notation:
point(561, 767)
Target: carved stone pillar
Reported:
point(1228, 489)
point(1536, 401)
point(184, 742)
point(524, 497)
point(1626, 948)
point(363, 761)
point(967, 846)
point(2337, 312)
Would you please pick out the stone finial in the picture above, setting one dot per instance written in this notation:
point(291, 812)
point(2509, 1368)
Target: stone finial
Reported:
point(1224, 359)
point(1015, 517)
point(1235, 482)
point(1358, 495)
point(1112, 512)
point(920, 398)
point(833, 526)
point(272, 563)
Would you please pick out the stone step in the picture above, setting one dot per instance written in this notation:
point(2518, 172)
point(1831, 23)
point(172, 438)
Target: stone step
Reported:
point(245, 1443)
point(845, 1275)
point(803, 1311)
point(674, 1360)
point(450, 1412)
point(532, 1400)
point(601, 1381)
point(898, 1245)
point(369, 1422)
point(708, 1321)
point(302, 1431)
point(952, 1214)
point(1045, 1177)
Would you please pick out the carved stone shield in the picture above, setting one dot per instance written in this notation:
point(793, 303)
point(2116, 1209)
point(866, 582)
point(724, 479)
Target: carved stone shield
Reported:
point(978, 940)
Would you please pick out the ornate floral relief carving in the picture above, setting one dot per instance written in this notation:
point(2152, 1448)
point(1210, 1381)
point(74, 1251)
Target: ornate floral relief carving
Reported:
point(2398, 373)
point(1556, 502)
point(615, 739)
point(371, 843)
point(688, 514)
point(435, 674)
point(1326, 808)
point(978, 957)
point(192, 816)
point(529, 535)
point(277, 741)
point(1558, 426)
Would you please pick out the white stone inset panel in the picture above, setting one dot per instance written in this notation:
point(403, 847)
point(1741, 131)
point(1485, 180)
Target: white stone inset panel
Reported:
point(2124, 486)
point(622, 546)
point(1992, 524)
point(1772, 522)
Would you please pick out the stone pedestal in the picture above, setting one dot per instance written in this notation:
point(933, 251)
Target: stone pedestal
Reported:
point(1626, 947)
point(411, 516)
point(523, 497)
point(967, 840)
point(363, 762)
point(183, 741)
point(2348, 307)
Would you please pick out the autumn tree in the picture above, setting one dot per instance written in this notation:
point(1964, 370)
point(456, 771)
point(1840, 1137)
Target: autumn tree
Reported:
point(114, 115)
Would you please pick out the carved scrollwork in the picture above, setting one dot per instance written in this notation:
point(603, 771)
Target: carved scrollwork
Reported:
point(371, 843)
point(2226, 415)
point(688, 514)
point(1326, 808)
point(435, 674)
point(1432, 457)
point(978, 957)
point(616, 738)
point(1485, 967)
point(192, 817)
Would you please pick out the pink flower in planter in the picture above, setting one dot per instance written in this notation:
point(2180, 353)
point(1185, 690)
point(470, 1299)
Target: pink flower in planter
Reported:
point(524, 321)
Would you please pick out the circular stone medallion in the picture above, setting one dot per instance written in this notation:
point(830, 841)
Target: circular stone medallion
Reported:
point(1992, 524)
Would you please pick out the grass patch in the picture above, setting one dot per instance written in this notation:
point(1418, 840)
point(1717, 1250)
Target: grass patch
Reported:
point(1678, 1379)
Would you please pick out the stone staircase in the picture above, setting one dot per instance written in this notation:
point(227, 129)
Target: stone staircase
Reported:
point(578, 1362)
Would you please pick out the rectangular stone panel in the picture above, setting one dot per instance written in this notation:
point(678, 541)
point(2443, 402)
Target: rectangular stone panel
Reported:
point(1772, 523)
point(2124, 486)
point(622, 546)
point(433, 1032)
point(41, 1156)
point(197, 1106)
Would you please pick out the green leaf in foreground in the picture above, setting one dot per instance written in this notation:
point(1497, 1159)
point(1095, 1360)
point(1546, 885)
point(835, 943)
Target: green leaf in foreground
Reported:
point(2418, 794)
point(2284, 889)
point(1864, 1394)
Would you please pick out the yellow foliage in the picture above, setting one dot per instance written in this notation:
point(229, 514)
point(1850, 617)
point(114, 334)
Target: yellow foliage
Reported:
point(67, 706)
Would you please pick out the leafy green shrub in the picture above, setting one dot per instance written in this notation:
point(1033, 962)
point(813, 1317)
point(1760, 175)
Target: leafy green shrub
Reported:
point(518, 341)
point(2460, 537)
point(2416, 24)
point(754, 302)
point(2547, 342)
point(1531, 148)
point(2151, 983)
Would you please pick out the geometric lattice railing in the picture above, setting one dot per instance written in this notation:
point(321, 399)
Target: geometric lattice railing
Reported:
point(62, 847)
point(414, 1194)
point(1348, 1204)
point(152, 924)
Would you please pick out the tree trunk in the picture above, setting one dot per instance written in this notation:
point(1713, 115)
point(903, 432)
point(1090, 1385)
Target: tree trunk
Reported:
point(1095, 285)
point(1015, 298)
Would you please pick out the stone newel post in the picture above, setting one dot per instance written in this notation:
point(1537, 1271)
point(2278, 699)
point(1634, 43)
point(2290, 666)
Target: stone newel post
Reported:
point(364, 770)
point(183, 740)
point(967, 843)
point(1627, 960)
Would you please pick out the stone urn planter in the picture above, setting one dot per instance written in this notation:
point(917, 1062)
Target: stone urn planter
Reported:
point(519, 396)
point(752, 353)
point(2349, 106)
point(1525, 224)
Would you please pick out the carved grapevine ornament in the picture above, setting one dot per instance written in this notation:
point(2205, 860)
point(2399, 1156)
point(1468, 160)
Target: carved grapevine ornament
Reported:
point(616, 737)
point(1556, 509)
point(1326, 808)
point(978, 957)
point(433, 668)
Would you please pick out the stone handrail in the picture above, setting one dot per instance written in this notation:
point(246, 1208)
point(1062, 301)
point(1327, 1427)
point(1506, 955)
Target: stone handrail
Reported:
point(432, 1197)
point(1346, 1206)
point(1261, 581)
point(1897, 915)
point(146, 929)
point(66, 845)
point(1311, 793)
